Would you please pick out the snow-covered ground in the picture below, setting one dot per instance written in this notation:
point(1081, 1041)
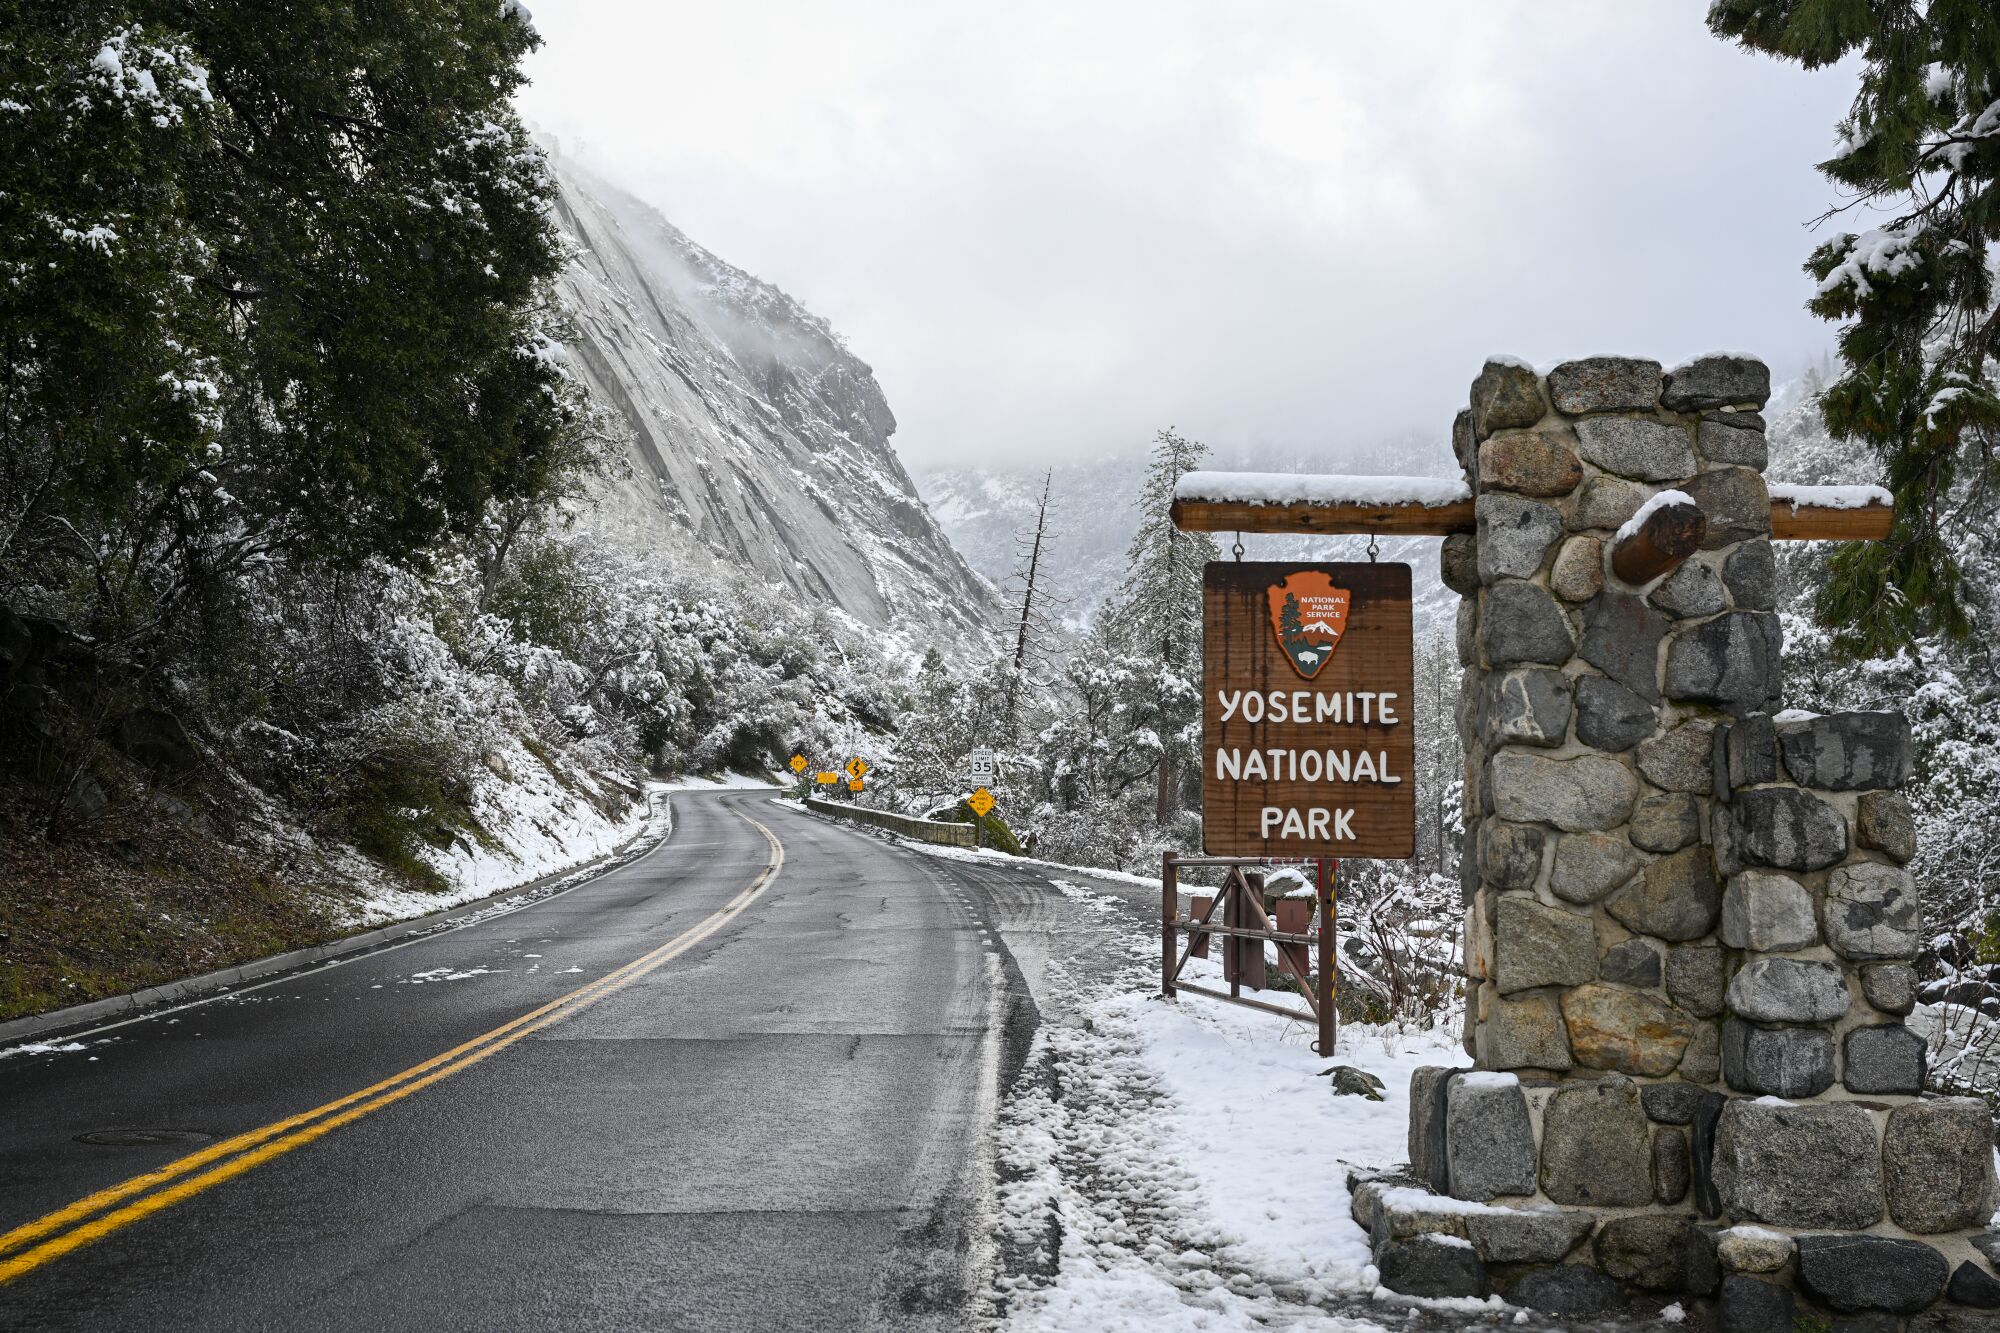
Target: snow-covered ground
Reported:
point(1191, 1158)
point(537, 826)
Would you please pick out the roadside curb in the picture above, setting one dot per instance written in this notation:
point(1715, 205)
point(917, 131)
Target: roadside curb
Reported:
point(134, 1004)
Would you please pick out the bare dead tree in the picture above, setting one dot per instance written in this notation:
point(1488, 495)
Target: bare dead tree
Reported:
point(1030, 631)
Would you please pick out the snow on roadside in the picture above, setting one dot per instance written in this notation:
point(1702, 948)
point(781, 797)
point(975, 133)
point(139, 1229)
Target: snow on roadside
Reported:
point(1196, 1162)
point(536, 826)
point(1242, 1084)
point(726, 782)
point(994, 857)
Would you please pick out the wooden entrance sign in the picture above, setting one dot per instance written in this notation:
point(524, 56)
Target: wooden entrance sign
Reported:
point(1308, 711)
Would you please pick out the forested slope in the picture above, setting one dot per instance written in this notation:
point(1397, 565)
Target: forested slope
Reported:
point(377, 512)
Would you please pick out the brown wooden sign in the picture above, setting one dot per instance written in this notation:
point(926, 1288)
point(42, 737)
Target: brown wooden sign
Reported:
point(1308, 711)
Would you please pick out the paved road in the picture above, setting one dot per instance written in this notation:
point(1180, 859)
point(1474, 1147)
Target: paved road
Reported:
point(775, 1116)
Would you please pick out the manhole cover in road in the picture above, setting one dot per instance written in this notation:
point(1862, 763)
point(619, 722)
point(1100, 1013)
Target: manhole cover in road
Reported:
point(142, 1138)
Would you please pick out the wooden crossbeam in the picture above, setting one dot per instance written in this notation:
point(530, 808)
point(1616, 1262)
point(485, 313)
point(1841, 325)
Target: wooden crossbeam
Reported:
point(1798, 514)
point(1319, 517)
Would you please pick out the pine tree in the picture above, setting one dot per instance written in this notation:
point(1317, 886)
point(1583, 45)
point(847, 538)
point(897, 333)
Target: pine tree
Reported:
point(1922, 145)
point(1159, 613)
point(1291, 623)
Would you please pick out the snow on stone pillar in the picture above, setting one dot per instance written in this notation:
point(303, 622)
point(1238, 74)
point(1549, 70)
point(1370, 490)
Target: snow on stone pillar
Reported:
point(1688, 929)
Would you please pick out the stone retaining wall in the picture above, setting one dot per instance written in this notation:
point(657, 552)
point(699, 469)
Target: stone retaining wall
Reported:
point(1689, 931)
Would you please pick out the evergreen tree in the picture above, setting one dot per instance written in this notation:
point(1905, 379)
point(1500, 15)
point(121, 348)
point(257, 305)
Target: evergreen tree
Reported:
point(1291, 623)
point(279, 282)
point(1922, 145)
point(1159, 615)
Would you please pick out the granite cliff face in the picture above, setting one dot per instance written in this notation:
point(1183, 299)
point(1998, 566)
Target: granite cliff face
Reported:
point(755, 433)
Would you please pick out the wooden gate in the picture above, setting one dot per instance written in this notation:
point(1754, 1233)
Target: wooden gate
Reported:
point(1305, 948)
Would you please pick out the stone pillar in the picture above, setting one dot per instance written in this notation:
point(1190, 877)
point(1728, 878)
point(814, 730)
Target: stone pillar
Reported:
point(1688, 927)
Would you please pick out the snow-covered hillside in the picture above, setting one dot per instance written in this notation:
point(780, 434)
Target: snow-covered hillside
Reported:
point(983, 508)
point(753, 429)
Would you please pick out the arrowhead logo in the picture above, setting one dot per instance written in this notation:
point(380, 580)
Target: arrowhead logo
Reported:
point(1309, 615)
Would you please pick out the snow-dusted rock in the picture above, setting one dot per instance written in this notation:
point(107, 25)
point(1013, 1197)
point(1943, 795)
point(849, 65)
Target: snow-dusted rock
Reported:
point(1606, 384)
point(1489, 1140)
point(1506, 394)
point(1799, 1166)
point(1751, 1249)
point(1848, 751)
point(1719, 379)
point(1596, 1145)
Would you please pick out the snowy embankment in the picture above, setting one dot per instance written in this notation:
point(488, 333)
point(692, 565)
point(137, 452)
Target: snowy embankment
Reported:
point(1194, 1158)
point(536, 824)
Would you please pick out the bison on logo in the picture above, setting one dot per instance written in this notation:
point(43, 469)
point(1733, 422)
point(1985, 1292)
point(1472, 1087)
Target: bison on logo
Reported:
point(1309, 615)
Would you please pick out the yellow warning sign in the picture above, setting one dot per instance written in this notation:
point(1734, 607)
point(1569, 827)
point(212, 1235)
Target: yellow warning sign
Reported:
point(798, 763)
point(857, 768)
point(855, 784)
point(826, 779)
point(981, 802)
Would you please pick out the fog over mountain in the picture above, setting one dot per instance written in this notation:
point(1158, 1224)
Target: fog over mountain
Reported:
point(983, 507)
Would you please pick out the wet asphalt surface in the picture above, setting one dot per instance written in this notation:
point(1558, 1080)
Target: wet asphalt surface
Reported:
point(783, 1128)
point(789, 1126)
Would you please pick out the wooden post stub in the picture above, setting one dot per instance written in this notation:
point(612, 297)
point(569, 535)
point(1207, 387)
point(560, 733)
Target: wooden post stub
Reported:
point(1669, 535)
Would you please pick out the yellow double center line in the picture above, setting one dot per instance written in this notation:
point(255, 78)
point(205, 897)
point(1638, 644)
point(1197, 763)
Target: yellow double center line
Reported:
point(29, 1246)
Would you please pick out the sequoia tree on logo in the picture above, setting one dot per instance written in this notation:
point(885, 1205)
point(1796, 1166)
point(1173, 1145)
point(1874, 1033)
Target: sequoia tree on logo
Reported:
point(1309, 615)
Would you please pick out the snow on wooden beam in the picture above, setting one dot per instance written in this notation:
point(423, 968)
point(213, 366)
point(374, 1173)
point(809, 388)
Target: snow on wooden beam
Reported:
point(1335, 505)
point(1667, 530)
point(1323, 504)
point(1830, 513)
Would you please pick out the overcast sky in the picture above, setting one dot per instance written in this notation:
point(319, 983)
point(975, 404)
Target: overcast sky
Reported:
point(1054, 228)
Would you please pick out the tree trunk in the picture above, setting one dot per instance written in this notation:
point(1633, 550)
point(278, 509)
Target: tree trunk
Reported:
point(1026, 628)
